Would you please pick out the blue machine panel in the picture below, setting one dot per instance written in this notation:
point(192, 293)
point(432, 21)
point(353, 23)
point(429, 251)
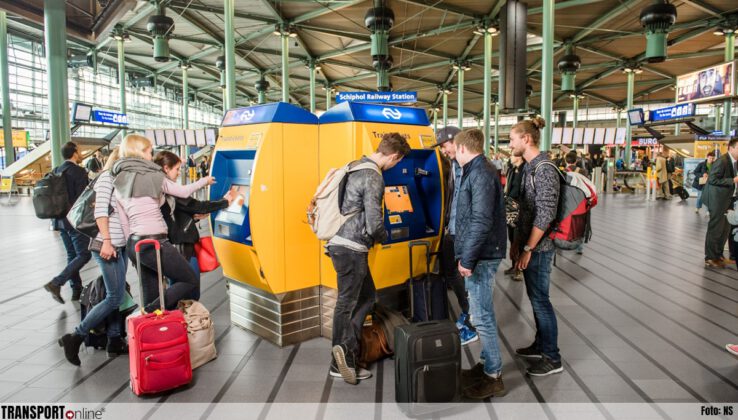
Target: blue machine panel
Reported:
point(275, 112)
point(354, 111)
point(232, 171)
point(413, 198)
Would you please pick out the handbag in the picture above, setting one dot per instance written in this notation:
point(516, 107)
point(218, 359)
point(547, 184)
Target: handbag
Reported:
point(205, 250)
point(374, 344)
point(512, 211)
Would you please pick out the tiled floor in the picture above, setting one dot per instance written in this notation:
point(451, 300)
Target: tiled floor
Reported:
point(640, 320)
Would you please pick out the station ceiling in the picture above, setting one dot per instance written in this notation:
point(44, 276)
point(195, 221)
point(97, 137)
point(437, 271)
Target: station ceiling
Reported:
point(427, 37)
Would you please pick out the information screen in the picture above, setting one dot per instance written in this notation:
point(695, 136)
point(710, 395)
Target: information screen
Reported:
point(397, 199)
point(171, 138)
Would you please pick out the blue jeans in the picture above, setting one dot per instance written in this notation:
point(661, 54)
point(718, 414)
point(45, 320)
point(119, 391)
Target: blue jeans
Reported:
point(537, 282)
point(481, 285)
point(114, 276)
point(195, 266)
point(78, 255)
point(698, 205)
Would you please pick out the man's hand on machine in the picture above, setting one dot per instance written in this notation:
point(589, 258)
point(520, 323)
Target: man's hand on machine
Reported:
point(229, 196)
point(465, 272)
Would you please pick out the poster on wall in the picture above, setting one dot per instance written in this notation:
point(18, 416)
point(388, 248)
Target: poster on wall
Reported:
point(690, 164)
point(715, 82)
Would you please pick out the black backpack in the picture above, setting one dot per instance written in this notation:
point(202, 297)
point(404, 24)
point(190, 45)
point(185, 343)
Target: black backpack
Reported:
point(50, 197)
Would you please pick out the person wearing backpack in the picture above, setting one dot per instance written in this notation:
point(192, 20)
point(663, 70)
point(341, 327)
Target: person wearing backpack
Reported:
point(700, 178)
point(349, 249)
point(109, 250)
point(75, 243)
point(479, 247)
point(533, 249)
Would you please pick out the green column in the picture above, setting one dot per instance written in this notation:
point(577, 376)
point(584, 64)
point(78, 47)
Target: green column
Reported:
point(185, 117)
point(497, 126)
point(261, 96)
point(729, 56)
point(230, 55)
point(435, 120)
point(576, 112)
point(285, 67)
point(617, 127)
point(677, 127)
point(718, 123)
point(460, 96)
point(631, 82)
point(122, 78)
point(312, 86)
point(55, 37)
point(5, 85)
point(445, 108)
point(328, 97)
point(487, 72)
point(547, 76)
point(479, 123)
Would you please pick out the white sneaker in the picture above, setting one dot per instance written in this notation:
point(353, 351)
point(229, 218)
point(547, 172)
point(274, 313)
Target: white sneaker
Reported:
point(360, 373)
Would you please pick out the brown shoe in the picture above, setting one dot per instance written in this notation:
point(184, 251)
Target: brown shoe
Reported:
point(714, 264)
point(728, 261)
point(471, 376)
point(486, 387)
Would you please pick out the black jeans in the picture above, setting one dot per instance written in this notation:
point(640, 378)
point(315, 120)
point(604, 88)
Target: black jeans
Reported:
point(356, 296)
point(78, 255)
point(184, 283)
point(450, 272)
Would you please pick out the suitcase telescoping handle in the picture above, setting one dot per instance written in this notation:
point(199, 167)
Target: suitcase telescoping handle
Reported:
point(157, 249)
point(427, 246)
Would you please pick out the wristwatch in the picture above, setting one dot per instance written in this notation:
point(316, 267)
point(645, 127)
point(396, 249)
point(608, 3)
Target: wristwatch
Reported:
point(526, 248)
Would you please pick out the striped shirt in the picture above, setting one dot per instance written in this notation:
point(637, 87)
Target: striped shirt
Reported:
point(104, 200)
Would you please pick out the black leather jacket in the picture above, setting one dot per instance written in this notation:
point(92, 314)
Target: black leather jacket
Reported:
point(182, 228)
point(480, 215)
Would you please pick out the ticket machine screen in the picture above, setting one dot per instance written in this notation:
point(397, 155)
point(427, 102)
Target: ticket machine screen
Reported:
point(232, 169)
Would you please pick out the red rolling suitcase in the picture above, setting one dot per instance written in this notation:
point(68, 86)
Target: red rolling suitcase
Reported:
point(159, 351)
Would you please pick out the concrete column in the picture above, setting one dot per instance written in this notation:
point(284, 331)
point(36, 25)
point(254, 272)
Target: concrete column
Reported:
point(487, 73)
point(327, 98)
point(312, 86)
point(185, 118)
point(5, 86)
point(285, 67)
point(547, 70)
point(122, 78)
point(55, 37)
point(230, 55)
point(718, 120)
point(497, 126)
point(460, 96)
point(576, 112)
point(445, 108)
point(617, 127)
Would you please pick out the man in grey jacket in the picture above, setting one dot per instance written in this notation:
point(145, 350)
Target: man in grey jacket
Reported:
point(349, 250)
point(479, 247)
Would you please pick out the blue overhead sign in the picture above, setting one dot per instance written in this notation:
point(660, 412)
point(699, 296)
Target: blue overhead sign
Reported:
point(387, 114)
point(275, 112)
point(384, 97)
point(673, 112)
point(109, 117)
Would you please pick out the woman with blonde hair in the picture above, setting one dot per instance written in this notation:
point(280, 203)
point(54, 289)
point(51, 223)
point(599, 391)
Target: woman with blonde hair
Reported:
point(109, 250)
point(141, 187)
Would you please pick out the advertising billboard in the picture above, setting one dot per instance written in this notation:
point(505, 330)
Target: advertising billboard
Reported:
point(715, 82)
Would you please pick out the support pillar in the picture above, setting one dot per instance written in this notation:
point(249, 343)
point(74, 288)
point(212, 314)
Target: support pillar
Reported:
point(487, 72)
point(677, 127)
point(230, 55)
point(497, 126)
point(122, 78)
point(328, 90)
point(628, 128)
point(312, 86)
point(729, 56)
point(285, 67)
point(617, 127)
point(576, 112)
point(718, 121)
point(5, 86)
point(185, 118)
point(445, 108)
point(547, 76)
point(435, 120)
point(460, 96)
point(55, 37)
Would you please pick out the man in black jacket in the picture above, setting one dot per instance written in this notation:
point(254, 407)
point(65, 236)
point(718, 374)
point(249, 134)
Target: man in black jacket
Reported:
point(75, 243)
point(718, 195)
point(349, 251)
point(480, 245)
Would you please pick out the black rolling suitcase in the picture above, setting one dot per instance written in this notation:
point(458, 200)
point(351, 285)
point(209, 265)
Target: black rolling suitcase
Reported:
point(428, 293)
point(427, 359)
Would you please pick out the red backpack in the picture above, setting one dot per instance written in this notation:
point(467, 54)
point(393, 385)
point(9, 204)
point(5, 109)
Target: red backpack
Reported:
point(577, 196)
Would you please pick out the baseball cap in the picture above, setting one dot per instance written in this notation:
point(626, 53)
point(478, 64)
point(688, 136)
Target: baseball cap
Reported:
point(446, 134)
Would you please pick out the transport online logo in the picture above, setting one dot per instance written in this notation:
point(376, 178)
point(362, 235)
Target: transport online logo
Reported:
point(392, 113)
point(47, 412)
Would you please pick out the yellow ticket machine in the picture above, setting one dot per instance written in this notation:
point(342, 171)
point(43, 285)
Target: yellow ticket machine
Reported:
point(267, 155)
point(413, 199)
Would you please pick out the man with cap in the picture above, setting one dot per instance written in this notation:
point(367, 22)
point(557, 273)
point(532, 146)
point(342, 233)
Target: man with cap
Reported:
point(448, 266)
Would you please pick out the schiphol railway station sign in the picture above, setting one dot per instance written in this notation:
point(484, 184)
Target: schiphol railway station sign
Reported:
point(672, 112)
point(381, 97)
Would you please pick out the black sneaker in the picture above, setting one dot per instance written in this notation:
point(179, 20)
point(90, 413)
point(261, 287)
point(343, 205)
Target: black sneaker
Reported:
point(76, 293)
point(55, 291)
point(545, 367)
point(71, 344)
point(530, 352)
point(345, 364)
point(361, 373)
